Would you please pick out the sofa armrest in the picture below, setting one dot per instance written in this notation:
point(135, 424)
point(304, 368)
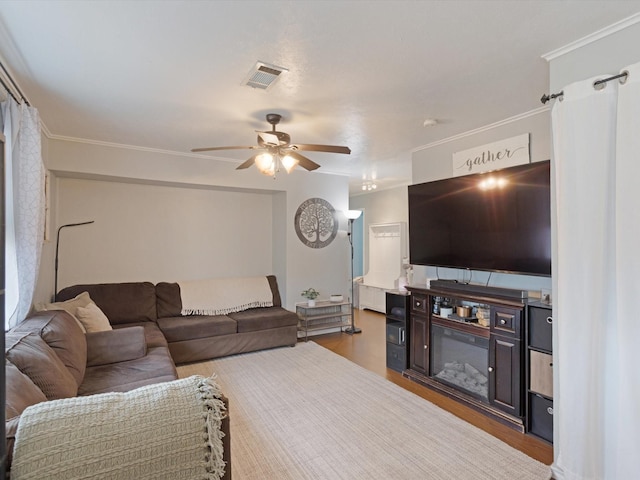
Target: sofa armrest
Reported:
point(113, 346)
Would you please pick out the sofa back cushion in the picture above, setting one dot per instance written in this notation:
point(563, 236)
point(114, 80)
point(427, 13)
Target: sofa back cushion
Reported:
point(61, 332)
point(273, 283)
point(121, 302)
point(169, 302)
point(33, 357)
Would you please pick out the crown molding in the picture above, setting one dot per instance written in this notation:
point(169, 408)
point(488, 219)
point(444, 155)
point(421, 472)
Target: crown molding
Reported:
point(45, 130)
point(593, 37)
point(491, 126)
point(135, 147)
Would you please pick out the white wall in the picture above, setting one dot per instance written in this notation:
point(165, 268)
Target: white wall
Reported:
point(160, 233)
point(435, 163)
point(325, 269)
point(162, 216)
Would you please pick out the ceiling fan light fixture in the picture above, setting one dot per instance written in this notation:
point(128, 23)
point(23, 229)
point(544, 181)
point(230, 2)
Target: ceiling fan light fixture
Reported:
point(265, 164)
point(263, 75)
point(289, 163)
point(278, 150)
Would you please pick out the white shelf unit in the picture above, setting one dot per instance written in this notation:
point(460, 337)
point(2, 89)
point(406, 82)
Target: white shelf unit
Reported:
point(322, 316)
point(387, 248)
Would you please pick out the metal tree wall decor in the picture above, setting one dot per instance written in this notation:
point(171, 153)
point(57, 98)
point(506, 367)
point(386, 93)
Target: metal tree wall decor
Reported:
point(315, 223)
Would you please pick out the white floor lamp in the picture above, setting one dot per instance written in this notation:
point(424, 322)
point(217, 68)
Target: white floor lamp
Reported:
point(351, 216)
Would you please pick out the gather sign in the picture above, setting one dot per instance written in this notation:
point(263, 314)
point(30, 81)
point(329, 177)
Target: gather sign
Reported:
point(493, 156)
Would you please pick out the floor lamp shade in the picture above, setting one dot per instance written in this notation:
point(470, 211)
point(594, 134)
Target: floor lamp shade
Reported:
point(353, 214)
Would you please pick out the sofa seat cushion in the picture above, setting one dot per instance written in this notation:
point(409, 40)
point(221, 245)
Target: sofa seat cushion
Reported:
point(264, 318)
point(62, 333)
point(152, 334)
point(37, 360)
point(178, 329)
point(155, 367)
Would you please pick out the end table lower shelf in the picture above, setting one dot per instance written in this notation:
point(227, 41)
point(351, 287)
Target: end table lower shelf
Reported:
point(323, 315)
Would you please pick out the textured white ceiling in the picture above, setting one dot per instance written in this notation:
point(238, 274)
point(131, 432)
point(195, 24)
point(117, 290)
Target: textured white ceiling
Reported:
point(366, 74)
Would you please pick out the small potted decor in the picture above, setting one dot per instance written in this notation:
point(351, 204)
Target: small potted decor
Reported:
point(311, 294)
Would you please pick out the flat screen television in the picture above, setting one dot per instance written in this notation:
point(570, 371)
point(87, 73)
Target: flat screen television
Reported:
point(497, 221)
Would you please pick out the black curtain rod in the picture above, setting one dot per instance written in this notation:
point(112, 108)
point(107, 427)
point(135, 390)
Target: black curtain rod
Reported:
point(14, 85)
point(545, 98)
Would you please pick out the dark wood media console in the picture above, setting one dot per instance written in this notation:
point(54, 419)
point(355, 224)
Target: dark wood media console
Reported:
point(482, 366)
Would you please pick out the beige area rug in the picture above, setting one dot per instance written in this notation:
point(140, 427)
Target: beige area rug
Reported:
point(308, 413)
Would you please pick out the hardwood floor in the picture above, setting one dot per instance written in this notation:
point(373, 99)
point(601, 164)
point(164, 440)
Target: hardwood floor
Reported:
point(368, 349)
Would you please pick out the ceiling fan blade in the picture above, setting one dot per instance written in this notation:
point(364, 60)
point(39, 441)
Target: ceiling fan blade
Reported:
point(210, 149)
point(321, 148)
point(303, 161)
point(248, 163)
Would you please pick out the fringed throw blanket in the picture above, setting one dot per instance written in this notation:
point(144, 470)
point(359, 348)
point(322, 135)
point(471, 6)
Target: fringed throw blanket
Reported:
point(164, 431)
point(220, 296)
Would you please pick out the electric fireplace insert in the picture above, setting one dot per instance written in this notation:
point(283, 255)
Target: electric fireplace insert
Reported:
point(461, 360)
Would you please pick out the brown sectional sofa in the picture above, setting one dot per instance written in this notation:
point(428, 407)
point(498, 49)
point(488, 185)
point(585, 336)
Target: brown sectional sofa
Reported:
point(191, 338)
point(49, 357)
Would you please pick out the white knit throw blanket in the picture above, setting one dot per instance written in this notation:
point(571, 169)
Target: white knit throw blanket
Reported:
point(164, 431)
point(219, 296)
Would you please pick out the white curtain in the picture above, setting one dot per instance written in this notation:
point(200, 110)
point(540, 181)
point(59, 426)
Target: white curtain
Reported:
point(596, 158)
point(25, 203)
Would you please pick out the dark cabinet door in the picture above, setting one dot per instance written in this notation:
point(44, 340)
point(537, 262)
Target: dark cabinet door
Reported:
point(505, 389)
point(419, 354)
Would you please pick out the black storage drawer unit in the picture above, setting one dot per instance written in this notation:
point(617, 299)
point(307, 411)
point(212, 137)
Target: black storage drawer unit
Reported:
point(396, 333)
point(541, 416)
point(397, 308)
point(540, 328)
point(396, 357)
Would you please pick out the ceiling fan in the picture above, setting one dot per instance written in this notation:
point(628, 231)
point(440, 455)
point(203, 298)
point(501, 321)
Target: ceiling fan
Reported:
point(275, 149)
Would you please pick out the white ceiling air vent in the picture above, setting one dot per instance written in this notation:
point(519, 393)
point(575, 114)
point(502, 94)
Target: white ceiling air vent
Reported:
point(263, 75)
